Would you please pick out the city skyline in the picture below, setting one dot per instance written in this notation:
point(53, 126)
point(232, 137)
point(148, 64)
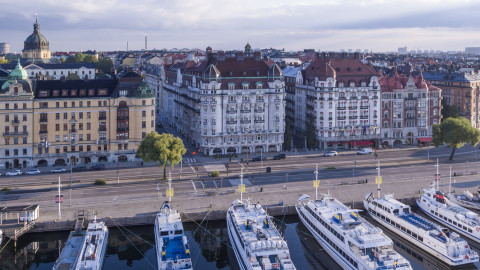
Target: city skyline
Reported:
point(377, 25)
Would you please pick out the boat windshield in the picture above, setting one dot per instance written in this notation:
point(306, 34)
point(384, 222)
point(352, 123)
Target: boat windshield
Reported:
point(406, 210)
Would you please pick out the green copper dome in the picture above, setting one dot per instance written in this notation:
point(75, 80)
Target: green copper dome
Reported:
point(18, 73)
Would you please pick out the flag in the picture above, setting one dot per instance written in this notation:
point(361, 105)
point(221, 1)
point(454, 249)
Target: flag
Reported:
point(378, 180)
point(341, 131)
point(316, 183)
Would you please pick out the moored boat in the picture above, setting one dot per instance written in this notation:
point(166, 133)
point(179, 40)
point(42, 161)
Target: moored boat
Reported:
point(447, 246)
point(69, 256)
point(466, 199)
point(92, 252)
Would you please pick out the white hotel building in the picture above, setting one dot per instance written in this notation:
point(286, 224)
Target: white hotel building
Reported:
point(233, 102)
point(341, 98)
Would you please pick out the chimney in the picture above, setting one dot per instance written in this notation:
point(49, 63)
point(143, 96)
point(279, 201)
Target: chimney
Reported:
point(146, 48)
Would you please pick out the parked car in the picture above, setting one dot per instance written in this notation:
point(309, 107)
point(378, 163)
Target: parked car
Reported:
point(32, 172)
point(330, 154)
point(58, 170)
point(80, 169)
point(13, 173)
point(259, 158)
point(97, 167)
point(365, 151)
point(280, 156)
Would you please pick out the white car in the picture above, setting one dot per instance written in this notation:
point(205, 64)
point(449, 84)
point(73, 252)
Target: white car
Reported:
point(13, 173)
point(58, 170)
point(32, 172)
point(365, 151)
point(330, 154)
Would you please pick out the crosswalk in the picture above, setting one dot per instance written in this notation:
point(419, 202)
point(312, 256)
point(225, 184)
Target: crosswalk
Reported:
point(190, 160)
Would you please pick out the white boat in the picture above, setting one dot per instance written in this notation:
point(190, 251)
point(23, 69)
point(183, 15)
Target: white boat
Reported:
point(434, 204)
point(467, 199)
point(92, 252)
point(1, 237)
point(349, 239)
point(172, 247)
point(426, 235)
point(255, 240)
point(69, 257)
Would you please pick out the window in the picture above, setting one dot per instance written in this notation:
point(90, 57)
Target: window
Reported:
point(89, 126)
point(65, 127)
point(80, 126)
point(88, 137)
point(65, 115)
point(24, 105)
point(42, 105)
point(57, 138)
point(80, 115)
point(144, 124)
point(144, 102)
point(57, 127)
point(144, 113)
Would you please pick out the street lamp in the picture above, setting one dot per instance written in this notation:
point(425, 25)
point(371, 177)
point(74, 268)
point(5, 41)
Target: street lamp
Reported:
point(248, 149)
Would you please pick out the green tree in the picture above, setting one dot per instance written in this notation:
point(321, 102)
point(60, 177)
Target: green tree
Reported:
point(72, 76)
point(70, 59)
point(455, 132)
point(105, 65)
point(62, 59)
point(287, 139)
point(89, 58)
point(79, 58)
point(163, 148)
point(449, 111)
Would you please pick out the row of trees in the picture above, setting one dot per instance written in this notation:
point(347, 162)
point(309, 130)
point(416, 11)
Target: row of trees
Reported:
point(104, 64)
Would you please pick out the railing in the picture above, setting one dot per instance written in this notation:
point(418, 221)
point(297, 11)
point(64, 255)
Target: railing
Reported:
point(342, 98)
point(231, 122)
point(73, 141)
point(246, 100)
point(353, 117)
point(352, 107)
point(102, 129)
point(245, 121)
point(363, 107)
point(341, 108)
point(73, 130)
point(341, 117)
point(123, 117)
point(231, 112)
point(363, 116)
point(259, 121)
point(232, 101)
point(102, 118)
point(119, 129)
point(245, 111)
point(43, 119)
point(19, 133)
point(213, 102)
point(364, 97)
point(354, 97)
point(260, 111)
point(15, 122)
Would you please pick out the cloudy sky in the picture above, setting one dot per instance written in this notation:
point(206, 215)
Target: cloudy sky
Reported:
point(378, 25)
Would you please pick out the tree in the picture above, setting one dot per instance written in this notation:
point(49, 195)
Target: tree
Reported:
point(105, 65)
point(70, 59)
point(449, 111)
point(89, 58)
point(79, 58)
point(72, 76)
point(62, 59)
point(455, 132)
point(163, 148)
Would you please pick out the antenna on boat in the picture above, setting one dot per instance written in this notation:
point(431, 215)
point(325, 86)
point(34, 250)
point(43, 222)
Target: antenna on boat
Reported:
point(378, 179)
point(241, 187)
point(316, 183)
point(450, 185)
point(437, 177)
point(170, 190)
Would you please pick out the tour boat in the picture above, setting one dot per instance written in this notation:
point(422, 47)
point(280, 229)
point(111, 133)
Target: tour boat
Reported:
point(172, 247)
point(426, 235)
point(1, 236)
point(255, 240)
point(349, 239)
point(434, 204)
point(68, 259)
point(467, 199)
point(92, 252)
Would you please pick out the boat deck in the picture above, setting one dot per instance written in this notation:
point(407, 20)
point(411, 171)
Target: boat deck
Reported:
point(419, 222)
point(174, 248)
point(68, 257)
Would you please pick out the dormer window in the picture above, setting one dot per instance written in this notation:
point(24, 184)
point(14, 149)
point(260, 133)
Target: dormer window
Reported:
point(15, 90)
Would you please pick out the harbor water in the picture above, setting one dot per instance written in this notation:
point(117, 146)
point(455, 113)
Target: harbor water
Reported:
point(133, 248)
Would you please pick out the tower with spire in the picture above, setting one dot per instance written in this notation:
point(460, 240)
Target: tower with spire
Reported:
point(36, 47)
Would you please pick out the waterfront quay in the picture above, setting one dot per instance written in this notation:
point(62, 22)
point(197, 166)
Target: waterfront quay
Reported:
point(134, 197)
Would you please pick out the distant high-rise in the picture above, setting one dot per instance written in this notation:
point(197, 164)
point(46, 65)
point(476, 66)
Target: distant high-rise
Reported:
point(4, 48)
point(468, 50)
point(146, 48)
point(402, 50)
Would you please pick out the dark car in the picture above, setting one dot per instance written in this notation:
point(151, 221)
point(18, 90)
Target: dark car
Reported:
point(280, 156)
point(259, 158)
point(80, 169)
point(97, 167)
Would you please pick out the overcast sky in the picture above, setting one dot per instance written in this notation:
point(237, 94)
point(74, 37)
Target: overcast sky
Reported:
point(378, 25)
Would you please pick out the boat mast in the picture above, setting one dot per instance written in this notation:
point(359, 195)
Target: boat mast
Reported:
point(450, 185)
point(170, 187)
point(316, 183)
point(437, 177)
point(378, 179)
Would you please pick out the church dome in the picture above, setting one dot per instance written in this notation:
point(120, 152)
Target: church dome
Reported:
point(36, 41)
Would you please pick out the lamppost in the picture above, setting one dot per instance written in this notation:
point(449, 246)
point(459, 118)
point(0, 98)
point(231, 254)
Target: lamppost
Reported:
point(248, 149)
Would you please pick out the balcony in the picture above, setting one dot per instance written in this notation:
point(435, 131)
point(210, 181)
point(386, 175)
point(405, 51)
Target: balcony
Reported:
point(364, 107)
point(73, 141)
point(102, 117)
point(353, 97)
point(73, 130)
point(123, 117)
point(341, 108)
point(245, 111)
point(364, 97)
point(102, 141)
point(231, 112)
point(352, 107)
point(213, 102)
point(231, 122)
point(15, 122)
point(341, 117)
point(259, 121)
point(277, 100)
point(342, 98)
point(245, 121)
point(40, 132)
point(260, 111)
point(18, 133)
point(43, 119)
point(118, 129)
point(410, 108)
point(363, 116)
point(232, 101)
point(245, 100)
point(353, 117)
point(102, 129)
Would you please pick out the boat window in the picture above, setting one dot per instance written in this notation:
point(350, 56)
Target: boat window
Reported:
point(455, 223)
point(163, 233)
point(420, 238)
point(179, 232)
point(395, 211)
point(470, 230)
point(441, 216)
point(414, 235)
point(402, 228)
point(409, 232)
point(449, 220)
point(406, 210)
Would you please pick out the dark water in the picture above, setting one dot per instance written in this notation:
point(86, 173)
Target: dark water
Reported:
point(133, 248)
